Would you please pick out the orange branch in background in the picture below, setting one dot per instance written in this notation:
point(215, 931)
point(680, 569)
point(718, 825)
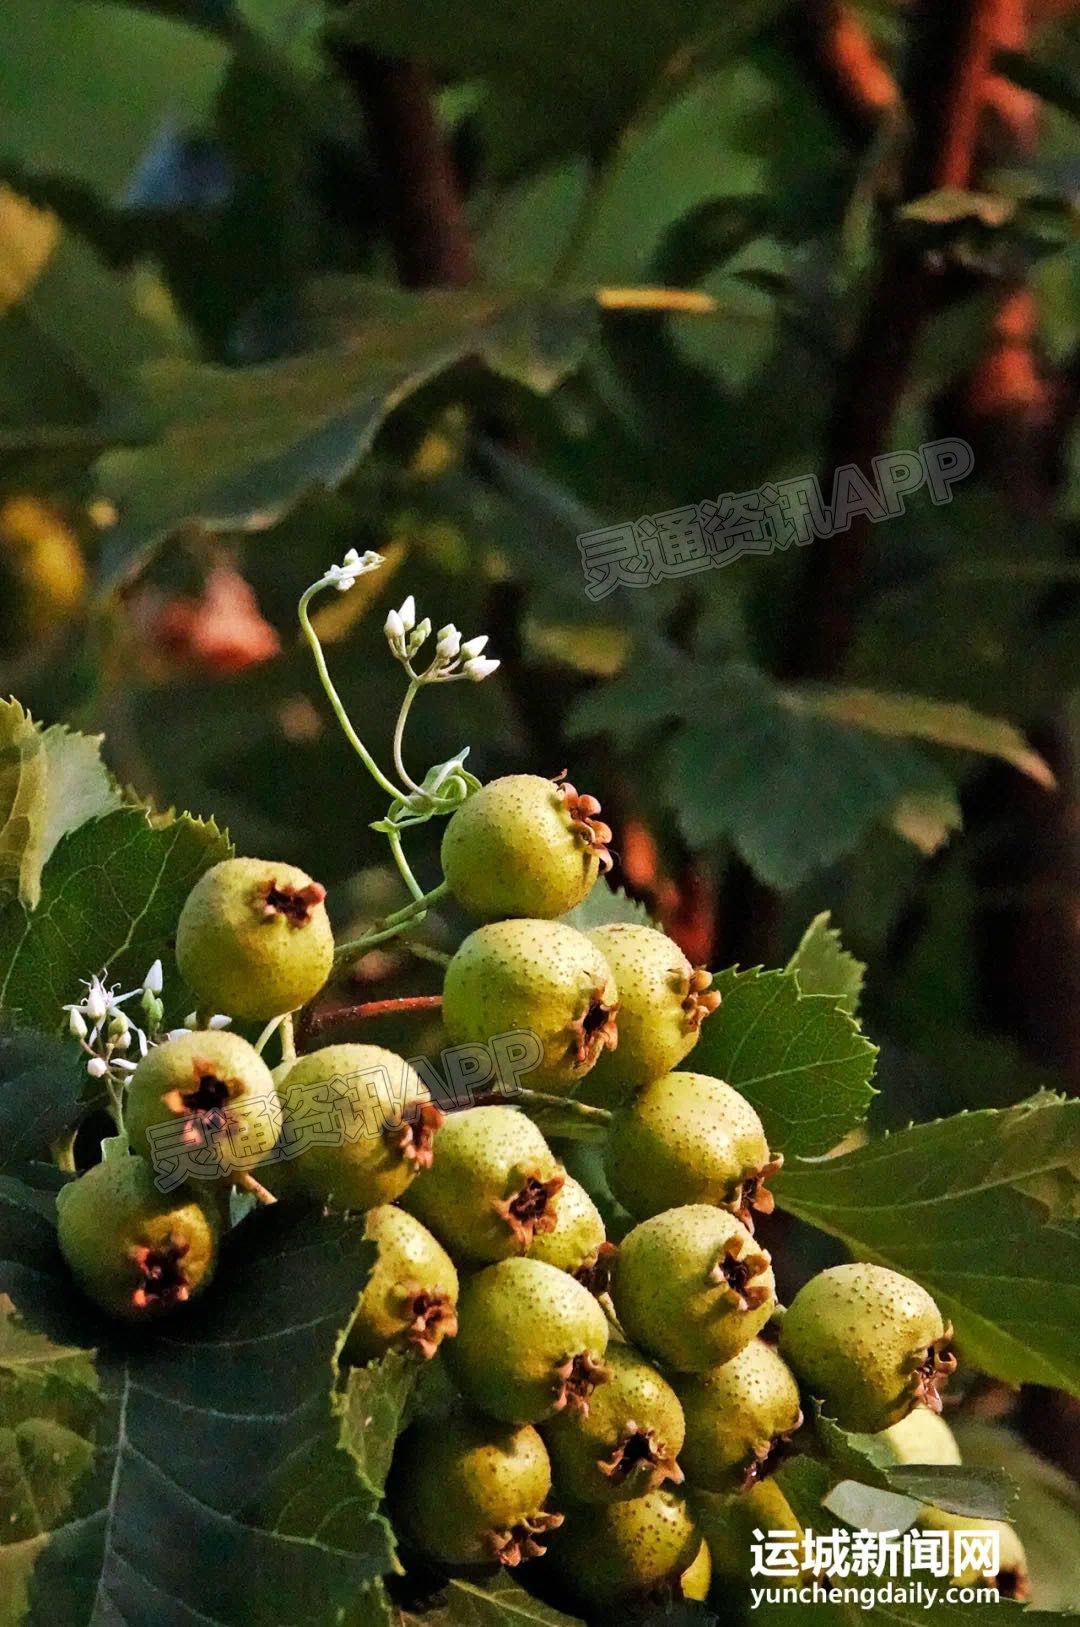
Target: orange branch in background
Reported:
point(851, 57)
point(997, 25)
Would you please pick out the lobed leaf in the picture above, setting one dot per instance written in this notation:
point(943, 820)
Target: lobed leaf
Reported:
point(822, 965)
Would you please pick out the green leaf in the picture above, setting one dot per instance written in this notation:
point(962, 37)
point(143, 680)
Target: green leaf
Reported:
point(195, 1424)
point(944, 723)
point(111, 896)
point(822, 965)
point(23, 772)
point(606, 906)
point(984, 1493)
point(870, 1508)
point(496, 1602)
point(373, 1411)
point(236, 447)
point(41, 1085)
point(799, 1059)
point(78, 786)
point(950, 1203)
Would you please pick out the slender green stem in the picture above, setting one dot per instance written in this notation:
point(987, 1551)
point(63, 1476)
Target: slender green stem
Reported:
point(335, 699)
point(63, 1151)
point(393, 925)
point(268, 1033)
point(394, 838)
point(419, 907)
point(288, 1038)
point(538, 1098)
point(399, 735)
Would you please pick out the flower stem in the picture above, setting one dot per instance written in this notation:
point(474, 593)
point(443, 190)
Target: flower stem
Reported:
point(246, 1182)
point(404, 868)
point(288, 1038)
point(399, 736)
point(335, 699)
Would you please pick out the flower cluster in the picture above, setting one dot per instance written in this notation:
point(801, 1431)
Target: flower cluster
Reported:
point(354, 565)
point(106, 1033)
point(454, 657)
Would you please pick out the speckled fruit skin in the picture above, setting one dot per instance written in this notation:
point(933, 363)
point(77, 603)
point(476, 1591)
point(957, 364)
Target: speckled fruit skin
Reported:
point(237, 958)
point(696, 1579)
point(112, 1215)
point(409, 1302)
point(486, 1156)
point(855, 1336)
point(608, 1554)
point(656, 1031)
point(729, 1522)
point(511, 849)
point(921, 1437)
point(519, 1323)
point(215, 1078)
point(539, 976)
point(578, 1234)
point(671, 1295)
point(628, 1441)
point(685, 1138)
point(1012, 1575)
point(466, 1490)
point(378, 1096)
point(734, 1416)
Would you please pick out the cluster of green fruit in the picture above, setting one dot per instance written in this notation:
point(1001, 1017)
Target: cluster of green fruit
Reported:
point(617, 1383)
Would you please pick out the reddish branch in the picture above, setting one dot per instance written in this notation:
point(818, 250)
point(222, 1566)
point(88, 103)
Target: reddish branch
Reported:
point(316, 1020)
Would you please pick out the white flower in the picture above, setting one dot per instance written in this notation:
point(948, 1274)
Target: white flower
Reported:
point(154, 981)
point(76, 1023)
point(354, 565)
point(407, 614)
point(394, 628)
point(478, 669)
point(97, 1067)
point(449, 644)
point(97, 1002)
point(474, 646)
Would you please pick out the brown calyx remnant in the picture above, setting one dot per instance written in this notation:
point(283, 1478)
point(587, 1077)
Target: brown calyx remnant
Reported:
point(585, 821)
point(736, 1271)
point(529, 1209)
point(768, 1455)
point(414, 1135)
point(163, 1280)
point(205, 1105)
point(754, 1194)
point(700, 1000)
point(595, 1030)
point(511, 1545)
point(641, 1455)
point(578, 1377)
point(294, 903)
point(432, 1318)
point(1012, 1584)
point(595, 1274)
point(933, 1370)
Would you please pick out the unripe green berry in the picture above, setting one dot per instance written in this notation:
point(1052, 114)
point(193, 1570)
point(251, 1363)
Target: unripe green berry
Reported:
point(530, 1342)
point(574, 1242)
point(524, 846)
point(738, 1418)
point(359, 1125)
point(535, 976)
point(663, 1001)
point(217, 1094)
point(608, 1555)
point(696, 1579)
point(729, 1523)
point(692, 1287)
point(254, 939)
point(492, 1190)
point(868, 1343)
point(136, 1251)
point(627, 1442)
point(922, 1437)
point(465, 1490)
point(689, 1138)
point(1011, 1578)
point(409, 1302)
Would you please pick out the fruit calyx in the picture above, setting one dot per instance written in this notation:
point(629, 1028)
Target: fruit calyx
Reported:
point(205, 1105)
point(596, 1030)
point(642, 1455)
point(294, 903)
point(736, 1270)
point(529, 1209)
point(754, 1194)
point(768, 1455)
point(414, 1134)
point(163, 1277)
point(585, 821)
point(933, 1371)
point(433, 1318)
point(700, 1000)
point(595, 1274)
point(512, 1545)
point(578, 1377)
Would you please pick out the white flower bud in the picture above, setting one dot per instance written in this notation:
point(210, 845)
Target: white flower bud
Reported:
point(122, 1042)
point(191, 1020)
point(407, 614)
point(394, 630)
point(479, 669)
point(97, 1067)
point(474, 646)
point(154, 981)
point(96, 1004)
point(77, 1023)
point(449, 644)
point(219, 1020)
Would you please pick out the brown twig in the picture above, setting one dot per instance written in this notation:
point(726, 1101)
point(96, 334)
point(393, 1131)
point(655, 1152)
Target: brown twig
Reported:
point(316, 1019)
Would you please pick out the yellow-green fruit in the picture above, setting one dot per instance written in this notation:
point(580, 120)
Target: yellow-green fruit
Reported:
point(254, 939)
point(539, 977)
point(1012, 1577)
point(465, 1490)
point(523, 845)
point(493, 1187)
point(738, 1418)
point(627, 1442)
point(729, 1523)
point(409, 1302)
point(605, 1555)
point(137, 1251)
point(663, 1001)
point(688, 1138)
point(578, 1235)
point(922, 1437)
point(868, 1343)
point(530, 1342)
point(358, 1126)
point(696, 1579)
point(692, 1287)
point(203, 1102)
